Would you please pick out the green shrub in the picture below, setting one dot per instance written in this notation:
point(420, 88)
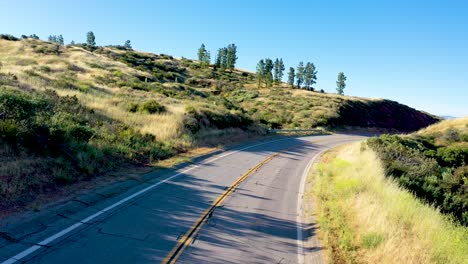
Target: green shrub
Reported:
point(9, 130)
point(453, 156)
point(452, 135)
point(152, 107)
point(45, 69)
point(133, 107)
point(8, 37)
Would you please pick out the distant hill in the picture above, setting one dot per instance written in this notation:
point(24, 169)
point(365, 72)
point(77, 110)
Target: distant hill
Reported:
point(73, 112)
point(448, 117)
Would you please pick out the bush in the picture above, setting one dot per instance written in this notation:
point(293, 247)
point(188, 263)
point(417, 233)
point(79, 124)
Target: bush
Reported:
point(149, 107)
point(452, 135)
point(8, 37)
point(152, 107)
point(453, 156)
point(198, 118)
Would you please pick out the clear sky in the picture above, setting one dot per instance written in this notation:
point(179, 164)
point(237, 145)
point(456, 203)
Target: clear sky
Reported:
point(412, 51)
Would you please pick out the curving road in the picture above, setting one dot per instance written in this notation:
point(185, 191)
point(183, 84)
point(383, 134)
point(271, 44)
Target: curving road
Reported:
point(259, 222)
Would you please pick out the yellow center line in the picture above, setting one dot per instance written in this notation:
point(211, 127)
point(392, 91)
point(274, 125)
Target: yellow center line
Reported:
point(188, 237)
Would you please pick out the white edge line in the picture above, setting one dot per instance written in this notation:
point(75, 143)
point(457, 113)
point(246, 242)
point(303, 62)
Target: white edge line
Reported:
point(300, 199)
point(67, 230)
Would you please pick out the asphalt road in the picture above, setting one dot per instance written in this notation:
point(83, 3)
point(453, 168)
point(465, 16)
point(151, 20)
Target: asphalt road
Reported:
point(259, 223)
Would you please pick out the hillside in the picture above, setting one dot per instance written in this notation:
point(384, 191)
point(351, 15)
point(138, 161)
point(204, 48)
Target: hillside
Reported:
point(73, 112)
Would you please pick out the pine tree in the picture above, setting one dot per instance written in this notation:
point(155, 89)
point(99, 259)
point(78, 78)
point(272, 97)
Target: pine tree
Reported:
point(310, 76)
point(260, 75)
point(267, 72)
point(91, 39)
point(231, 56)
point(224, 59)
point(128, 44)
point(204, 56)
point(72, 42)
point(300, 74)
point(52, 38)
point(340, 84)
point(218, 58)
point(34, 36)
point(206, 59)
point(276, 69)
point(291, 77)
point(201, 52)
point(60, 40)
point(281, 70)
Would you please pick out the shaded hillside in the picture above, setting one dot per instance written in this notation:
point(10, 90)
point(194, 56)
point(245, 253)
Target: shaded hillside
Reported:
point(382, 113)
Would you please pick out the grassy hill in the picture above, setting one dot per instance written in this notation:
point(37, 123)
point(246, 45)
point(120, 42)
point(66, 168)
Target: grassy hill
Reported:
point(73, 112)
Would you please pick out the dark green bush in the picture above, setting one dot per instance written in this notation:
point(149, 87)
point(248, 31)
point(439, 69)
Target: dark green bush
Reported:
point(152, 107)
point(8, 37)
point(453, 156)
point(198, 118)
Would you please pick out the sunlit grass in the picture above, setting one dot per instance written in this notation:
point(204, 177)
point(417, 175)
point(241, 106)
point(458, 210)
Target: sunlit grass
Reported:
point(366, 217)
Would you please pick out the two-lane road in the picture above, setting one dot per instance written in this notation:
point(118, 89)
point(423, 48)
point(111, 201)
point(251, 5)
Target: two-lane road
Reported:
point(259, 222)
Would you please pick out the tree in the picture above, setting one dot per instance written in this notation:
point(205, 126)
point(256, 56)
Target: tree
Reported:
point(222, 57)
point(268, 76)
point(231, 56)
point(206, 59)
point(218, 58)
point(34, 36)
point(52, 38)
point(310, 76)
point(72, 42)
point(260, 75)
point(91, 39)
point(128, 44)
point(340, 84)
point(291, 77)
point(276, 69)
point(300, 74)
point(60, 40)
point(204, 56)
point(201, 52)
point(281, 70)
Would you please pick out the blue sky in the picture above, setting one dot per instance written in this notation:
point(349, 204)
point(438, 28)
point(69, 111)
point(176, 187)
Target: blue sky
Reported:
point(414, 52)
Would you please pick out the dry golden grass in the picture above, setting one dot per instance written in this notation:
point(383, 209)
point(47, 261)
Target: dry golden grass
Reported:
point(460, 124)
point(366, 217)
point(17, 57)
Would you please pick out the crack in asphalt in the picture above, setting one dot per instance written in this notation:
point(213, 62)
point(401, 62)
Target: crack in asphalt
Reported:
point(121, 236)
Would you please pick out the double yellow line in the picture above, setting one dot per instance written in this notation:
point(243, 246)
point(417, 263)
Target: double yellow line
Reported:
point(188, 237)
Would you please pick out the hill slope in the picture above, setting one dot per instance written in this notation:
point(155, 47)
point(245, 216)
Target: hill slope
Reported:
point(432, 163)
point(73, 112)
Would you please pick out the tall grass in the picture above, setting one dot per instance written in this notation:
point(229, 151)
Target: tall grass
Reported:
point(367, 218)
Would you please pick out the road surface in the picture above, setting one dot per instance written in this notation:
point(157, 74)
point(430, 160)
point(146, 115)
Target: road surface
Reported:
point(259, 222)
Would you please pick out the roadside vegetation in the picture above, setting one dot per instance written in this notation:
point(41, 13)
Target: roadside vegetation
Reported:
point(366, 217)
point(76, 111)
point(432, 164)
